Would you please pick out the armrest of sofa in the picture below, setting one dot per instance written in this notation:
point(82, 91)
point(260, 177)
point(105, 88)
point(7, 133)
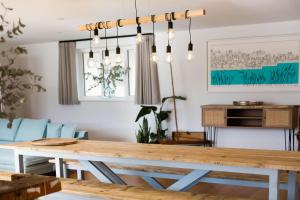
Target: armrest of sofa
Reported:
point(81, 135)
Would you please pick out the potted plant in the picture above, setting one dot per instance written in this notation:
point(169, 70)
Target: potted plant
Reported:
point(15, 81)
point(160, 116)
point(143, 134)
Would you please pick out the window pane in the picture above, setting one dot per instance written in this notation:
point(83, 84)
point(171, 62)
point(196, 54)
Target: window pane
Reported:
point(114, 80)
point(91, 87)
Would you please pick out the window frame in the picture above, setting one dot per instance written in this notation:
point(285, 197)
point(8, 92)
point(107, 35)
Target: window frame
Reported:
point(83, 47)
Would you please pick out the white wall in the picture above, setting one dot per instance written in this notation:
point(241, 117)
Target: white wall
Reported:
point(115, 120)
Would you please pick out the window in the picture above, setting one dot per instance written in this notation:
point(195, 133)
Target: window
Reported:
point(112, 82)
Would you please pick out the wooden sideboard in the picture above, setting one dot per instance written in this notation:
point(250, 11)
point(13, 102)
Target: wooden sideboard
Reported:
point(266, 116)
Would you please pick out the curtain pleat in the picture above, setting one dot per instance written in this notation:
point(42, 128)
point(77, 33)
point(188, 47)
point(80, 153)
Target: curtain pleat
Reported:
point(147, 89)
point(68, 94)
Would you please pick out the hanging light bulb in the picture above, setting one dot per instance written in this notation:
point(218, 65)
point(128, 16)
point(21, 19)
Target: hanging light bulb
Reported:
point(91, 61)
point(190, 55)
point(171, 31)
point(106, 52)
point(118, 49)
point(139, 35)
point(118, 55)
point(96, 38)
point(106, 57)
point(154, 55)
point(169, 55)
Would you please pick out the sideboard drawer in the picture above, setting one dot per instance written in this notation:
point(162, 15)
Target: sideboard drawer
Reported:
point(278, 118)
point(214, 117)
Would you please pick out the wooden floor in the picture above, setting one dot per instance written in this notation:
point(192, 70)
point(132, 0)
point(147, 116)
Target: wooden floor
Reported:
point(206, 188)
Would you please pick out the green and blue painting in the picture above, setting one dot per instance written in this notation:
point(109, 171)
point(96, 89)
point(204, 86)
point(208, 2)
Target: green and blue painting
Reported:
point(282, 73)
point(255, 68)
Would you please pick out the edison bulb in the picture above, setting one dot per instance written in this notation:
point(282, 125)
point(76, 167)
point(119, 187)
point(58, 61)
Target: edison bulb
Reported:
point(171, 34)
point(154, 57)
point(91, 63)
point(96, 39)
point(190, 55)
point(106, 60)
point(169, 58)
point(118, 58)
point(139, 38)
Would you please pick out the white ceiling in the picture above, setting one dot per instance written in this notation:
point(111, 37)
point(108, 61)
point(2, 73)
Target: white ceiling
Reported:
point(52, 20)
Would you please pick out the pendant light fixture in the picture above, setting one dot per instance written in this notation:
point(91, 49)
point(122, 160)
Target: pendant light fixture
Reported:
point(106, 52)
point(169, 54)
point(118, 49)
point(153, 54)
point(91, 61)
point(96, 38)
point(190, 54)
point(139, 35)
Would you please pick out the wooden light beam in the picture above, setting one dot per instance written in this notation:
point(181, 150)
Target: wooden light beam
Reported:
point(143, 20)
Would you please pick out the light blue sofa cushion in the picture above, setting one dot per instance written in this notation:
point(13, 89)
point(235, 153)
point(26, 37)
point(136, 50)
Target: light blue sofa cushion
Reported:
point(68, 131)
point(8, 134)
point(53, 130)
point(31, 129)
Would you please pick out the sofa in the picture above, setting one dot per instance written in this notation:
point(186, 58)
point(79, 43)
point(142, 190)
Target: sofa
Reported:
point(32, 129)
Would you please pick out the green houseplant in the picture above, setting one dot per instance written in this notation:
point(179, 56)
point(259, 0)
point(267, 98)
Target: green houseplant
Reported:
point(160, 116)
point(15, 81)
point(143, 134)
point(108, 78)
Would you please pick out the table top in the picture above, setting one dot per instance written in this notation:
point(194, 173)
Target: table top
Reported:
point(269, 159)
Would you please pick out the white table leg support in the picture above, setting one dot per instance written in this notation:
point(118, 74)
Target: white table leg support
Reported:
point(292, 185)
point(59, 169)
point(188, 181)
point(274, 185)
point(19, 163)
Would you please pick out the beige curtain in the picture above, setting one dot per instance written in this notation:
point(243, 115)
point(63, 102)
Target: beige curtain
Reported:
point(67, 74)
point(147, 83)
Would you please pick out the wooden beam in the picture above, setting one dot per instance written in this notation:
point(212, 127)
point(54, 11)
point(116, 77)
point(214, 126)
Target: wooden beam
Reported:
point(143, 20)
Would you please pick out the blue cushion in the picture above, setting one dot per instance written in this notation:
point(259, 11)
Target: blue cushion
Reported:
point(8, 134)
point(68, 131)
point(53, 130)
point(31, 129)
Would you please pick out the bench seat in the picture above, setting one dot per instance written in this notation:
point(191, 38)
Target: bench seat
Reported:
point(120, 192)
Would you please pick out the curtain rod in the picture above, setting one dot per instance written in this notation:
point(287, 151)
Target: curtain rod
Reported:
point(110, 37)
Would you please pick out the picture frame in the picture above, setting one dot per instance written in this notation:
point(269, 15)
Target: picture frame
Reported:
point(254, 64)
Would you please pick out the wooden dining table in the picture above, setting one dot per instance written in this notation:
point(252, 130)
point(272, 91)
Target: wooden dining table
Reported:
point(94, 155)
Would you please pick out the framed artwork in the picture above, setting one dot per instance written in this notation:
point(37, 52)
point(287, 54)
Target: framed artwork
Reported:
point(254, 64)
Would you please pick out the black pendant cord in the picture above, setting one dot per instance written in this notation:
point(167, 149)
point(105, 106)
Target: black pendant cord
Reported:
point(117, 35)
point(105, 39)
point(136, 11)
point(190, 24)
point(153, 27)
point(90, 40)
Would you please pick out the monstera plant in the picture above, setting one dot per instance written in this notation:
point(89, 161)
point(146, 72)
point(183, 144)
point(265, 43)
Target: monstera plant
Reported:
point(15, 81)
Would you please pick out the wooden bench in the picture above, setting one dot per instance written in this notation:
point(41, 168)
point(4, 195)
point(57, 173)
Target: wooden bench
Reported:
point(150, 172)
point(15, 187)
point(95, 189)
